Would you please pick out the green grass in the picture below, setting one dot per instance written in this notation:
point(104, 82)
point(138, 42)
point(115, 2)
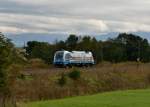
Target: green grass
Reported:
point(132, 98)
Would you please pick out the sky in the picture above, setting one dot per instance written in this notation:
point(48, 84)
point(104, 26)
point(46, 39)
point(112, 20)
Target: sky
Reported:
point(48, 20)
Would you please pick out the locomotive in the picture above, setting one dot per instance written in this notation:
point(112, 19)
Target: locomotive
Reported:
point(74, 58)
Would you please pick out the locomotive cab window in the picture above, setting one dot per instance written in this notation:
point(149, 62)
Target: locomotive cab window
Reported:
point(59, 56)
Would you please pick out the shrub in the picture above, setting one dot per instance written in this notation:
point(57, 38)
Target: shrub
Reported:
point(63, 80)
point(37, 63)
point(74, 74)
point(22, 76)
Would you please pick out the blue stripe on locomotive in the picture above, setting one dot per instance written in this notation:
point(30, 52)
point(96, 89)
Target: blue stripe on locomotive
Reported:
point(72, 62)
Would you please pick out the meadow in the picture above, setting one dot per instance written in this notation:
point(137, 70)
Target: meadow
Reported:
point(137, 98)
point(47, 82)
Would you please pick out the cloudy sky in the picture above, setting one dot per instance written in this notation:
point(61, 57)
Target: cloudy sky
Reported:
point(56, 18)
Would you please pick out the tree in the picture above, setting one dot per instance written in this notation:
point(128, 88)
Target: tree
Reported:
point(71, 42)
point(135, 46)
point(61, 45)
point(8, 55)
point(85, 43)
point(125, 47)
point(42, 50)
point(114, 51)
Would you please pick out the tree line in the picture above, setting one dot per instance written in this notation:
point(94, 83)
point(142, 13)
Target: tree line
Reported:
point(125, 47)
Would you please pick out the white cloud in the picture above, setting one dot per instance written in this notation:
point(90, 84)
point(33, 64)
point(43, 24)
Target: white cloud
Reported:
point(123, 26)
point(31, 23)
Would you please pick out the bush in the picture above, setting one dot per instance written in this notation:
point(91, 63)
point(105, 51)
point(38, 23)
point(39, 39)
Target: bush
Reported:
point(63, 80)
point(74, 74)
point(37, 63)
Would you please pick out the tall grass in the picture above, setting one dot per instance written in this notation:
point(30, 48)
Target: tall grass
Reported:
point(43, 83)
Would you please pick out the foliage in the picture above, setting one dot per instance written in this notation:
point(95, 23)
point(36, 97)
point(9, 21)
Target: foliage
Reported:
point(6, 59)
point(36, 63)
point(125, 47)
point(8, 56)
point(40, 50)
point(63, 80)
point(71, 42)
point(43, 84)
point(74, 74)
point(134, 46)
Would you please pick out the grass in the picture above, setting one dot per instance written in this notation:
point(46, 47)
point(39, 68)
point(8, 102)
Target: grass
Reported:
point(131, 98)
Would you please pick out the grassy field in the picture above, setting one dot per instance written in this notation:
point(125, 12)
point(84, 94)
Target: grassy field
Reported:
point(132, 98)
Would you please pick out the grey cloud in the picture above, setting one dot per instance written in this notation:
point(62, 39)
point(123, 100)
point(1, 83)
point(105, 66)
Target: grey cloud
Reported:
point(77, 16)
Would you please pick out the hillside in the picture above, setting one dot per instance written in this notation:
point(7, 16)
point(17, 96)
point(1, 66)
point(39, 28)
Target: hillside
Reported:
point(137, 98)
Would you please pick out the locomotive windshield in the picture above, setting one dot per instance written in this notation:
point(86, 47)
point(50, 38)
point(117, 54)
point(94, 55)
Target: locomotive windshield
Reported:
point(59, 55)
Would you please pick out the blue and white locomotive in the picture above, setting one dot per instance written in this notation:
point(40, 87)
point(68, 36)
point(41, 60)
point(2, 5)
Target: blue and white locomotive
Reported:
point(77, 58)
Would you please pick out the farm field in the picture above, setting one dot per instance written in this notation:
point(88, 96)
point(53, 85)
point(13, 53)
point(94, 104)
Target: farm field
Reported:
point(137, 98)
